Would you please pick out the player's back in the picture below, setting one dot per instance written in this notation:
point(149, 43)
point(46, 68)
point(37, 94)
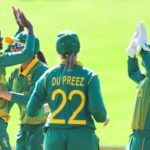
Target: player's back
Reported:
point(67, 96)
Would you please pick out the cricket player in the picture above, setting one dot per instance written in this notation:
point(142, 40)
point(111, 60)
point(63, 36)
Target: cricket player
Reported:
point(9, 59)
point(140, 137)
point(73, 94)
point(19, 86)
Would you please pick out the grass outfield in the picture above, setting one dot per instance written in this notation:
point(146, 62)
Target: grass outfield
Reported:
point(105, 28)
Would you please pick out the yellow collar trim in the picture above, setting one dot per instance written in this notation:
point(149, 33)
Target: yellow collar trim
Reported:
point(29, 67)
point(63, 61)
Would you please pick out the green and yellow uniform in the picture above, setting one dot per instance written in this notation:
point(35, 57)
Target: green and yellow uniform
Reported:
point(73, 96)
point(9, 59)
point(30, 135)
point(140, 138)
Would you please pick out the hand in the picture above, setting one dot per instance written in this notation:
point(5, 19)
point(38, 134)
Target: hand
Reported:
point(142, 39)
point(106, 121)
point(138, 40)
point(23, 21)
point(144, 32)
point(20, 25)
point(131, 49)
point(145, 44)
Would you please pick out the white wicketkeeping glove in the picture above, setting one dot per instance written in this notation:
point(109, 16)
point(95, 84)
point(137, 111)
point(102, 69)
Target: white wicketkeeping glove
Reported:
point(131, 49)
point(142, 39)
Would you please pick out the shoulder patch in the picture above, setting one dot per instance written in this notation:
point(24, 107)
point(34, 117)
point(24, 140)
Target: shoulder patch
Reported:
point(29, 78)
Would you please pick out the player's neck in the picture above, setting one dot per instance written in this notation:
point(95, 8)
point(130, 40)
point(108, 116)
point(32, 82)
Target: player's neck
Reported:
point(24, 65)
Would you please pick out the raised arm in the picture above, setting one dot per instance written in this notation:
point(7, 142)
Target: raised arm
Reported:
point(20, 28)
point(134, 71)
point(9, 59)
point(133, 51)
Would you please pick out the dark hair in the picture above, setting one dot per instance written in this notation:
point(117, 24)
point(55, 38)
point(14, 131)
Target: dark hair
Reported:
point(70, 61)
point(41, 57)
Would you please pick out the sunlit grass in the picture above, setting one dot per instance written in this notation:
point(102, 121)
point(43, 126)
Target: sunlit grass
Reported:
point(105, 28)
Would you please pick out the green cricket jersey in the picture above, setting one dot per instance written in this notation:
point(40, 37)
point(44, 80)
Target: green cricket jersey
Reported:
point(141, 116)
point(22, 84)
point(3, 104)
point(73, 96)
point(9, 59)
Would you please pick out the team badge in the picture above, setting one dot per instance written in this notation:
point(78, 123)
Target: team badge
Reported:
point(29, 79)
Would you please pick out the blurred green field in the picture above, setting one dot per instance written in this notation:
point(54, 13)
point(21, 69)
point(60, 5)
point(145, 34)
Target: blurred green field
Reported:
point(105, 28)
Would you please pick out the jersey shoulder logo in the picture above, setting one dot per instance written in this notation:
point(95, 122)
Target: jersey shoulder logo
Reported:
point(29, 79)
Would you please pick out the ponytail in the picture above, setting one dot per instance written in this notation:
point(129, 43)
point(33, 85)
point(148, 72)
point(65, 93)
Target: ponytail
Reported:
point(70, 61)
point(41, 57)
